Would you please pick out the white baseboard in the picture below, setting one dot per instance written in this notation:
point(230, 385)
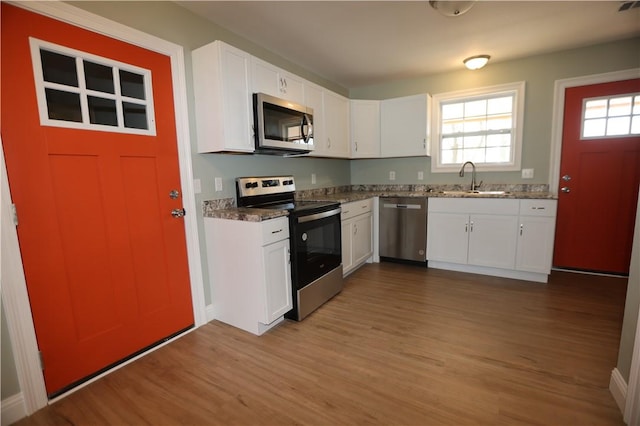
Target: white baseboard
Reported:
point(618, 388)
point(13, 409)
point(210, 312)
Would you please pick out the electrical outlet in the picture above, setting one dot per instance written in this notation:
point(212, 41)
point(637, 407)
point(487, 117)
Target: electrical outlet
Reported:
point(218, 184)
point(527, 173)
point(392, 175)
point(420, 175)
point(313, 178)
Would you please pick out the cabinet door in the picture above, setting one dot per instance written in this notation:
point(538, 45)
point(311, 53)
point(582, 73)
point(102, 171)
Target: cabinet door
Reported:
point(265, 78)
point(336, 114)
point(347, 243)
point(277, 266)
point(492, 241)
point(223, 104)
point(535, 244)
point(365, 129)
point(404, 126)
point(447, 237)
point(362, 238)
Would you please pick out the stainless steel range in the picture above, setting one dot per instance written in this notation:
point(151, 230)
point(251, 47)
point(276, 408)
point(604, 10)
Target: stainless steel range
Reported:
point(315, 239)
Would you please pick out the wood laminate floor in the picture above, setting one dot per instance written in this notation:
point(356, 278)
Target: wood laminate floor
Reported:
point(401, 345)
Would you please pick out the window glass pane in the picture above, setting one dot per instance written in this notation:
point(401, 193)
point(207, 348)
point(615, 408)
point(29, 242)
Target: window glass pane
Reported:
point(499, 122)
point(452, 126)
point(593, 128)
point(635, 125)
point(618, 126)
point(476, 125)
point(63, 106)
point(57, 68)
point(98, 77)
point(636, 105)
point(595, 108)
point(451, 143)
point(499, 140)
point(475, 108)
point(452, 111)
point(476, 155)
point(500, 105)
point(498, 155)
point(102, 111)
point(473, 142)
point(620, 106)
point(451, 156)
point(135, 116)
point(132, 85)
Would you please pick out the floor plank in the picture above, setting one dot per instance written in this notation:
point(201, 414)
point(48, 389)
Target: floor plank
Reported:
point(400, 345)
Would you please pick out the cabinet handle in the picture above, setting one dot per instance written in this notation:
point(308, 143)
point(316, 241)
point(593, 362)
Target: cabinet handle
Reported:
point(355, 229)
point(275, 232)
point(345, 212)
point(328, 142)
point(356, 144)
point(424, 143)
point(466, 227)
point(521, 225)
point(471, 226)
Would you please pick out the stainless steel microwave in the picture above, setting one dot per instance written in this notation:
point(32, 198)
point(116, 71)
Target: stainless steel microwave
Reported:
point(280, 126)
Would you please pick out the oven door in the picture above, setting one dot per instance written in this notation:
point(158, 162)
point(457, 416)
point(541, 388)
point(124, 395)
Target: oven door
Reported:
point(316, 246)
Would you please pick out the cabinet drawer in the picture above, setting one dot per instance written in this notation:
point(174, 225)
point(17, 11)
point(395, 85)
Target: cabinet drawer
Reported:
point(538, 208)
point(275, 230)
point(474, 205)
point(356, 208)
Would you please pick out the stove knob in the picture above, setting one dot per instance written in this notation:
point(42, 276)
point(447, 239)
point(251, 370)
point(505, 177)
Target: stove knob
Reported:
point(251, 185)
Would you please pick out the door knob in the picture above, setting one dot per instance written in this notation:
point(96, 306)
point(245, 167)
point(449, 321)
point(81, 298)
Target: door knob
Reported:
point(178, 212)
point(565, 189)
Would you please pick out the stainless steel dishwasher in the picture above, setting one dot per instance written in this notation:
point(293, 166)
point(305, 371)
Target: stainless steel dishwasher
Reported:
point(403, 228)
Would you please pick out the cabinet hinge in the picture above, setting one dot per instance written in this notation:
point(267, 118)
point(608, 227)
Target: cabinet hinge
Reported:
point(41, 360)
point(14, 214)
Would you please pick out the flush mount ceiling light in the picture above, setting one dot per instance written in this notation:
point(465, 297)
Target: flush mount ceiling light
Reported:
point(476, 62)
point(451, 8)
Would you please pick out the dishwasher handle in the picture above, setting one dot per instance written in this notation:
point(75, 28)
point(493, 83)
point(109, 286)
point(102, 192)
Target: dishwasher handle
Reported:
point(402, 206)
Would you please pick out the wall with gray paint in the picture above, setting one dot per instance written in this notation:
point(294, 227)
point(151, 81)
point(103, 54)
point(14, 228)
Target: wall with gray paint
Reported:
point(539, 72)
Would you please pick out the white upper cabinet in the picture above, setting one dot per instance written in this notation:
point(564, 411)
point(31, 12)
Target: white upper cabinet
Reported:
point(223, 98)
point(276, 82)
point(336, 125)
point(314, 99)
point(405, 126)
point(365, 129)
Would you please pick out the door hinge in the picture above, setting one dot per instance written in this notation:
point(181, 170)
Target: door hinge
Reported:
point(41, 360)
point(14, 214)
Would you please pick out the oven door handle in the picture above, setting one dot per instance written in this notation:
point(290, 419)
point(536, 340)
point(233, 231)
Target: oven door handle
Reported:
point(303, 219)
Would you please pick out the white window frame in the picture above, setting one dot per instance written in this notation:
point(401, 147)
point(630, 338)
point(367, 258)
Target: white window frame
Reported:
point(517, 89)
point(41, 86)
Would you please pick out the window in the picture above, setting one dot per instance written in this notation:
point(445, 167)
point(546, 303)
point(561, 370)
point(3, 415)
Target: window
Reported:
point(615, 116)
point(480, 125)
point(83, 91)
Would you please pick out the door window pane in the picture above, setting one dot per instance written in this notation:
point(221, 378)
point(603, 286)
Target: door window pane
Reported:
point(132, 84)
point(98, 77)
point(102, 111)
point(58, 68)
point(135, 116)
point(63, 105)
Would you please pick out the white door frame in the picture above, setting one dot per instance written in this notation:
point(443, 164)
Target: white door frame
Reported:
point(14, 293)
point(632, 406)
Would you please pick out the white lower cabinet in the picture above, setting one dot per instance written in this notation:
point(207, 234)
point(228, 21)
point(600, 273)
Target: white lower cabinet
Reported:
point(357, 234)
point(249, 271)
point(511, 238)
point(536, 235)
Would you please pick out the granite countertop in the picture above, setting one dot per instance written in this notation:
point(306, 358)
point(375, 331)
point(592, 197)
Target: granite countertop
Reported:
point(225, 208)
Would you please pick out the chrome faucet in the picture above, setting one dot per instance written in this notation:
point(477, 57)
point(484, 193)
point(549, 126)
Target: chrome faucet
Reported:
point(474, 187)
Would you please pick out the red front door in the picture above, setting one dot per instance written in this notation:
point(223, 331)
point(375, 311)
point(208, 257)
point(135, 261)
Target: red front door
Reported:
point(105, 261)
point(598, 188)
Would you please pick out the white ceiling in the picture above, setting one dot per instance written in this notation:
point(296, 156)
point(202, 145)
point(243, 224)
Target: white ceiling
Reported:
point(358, 43)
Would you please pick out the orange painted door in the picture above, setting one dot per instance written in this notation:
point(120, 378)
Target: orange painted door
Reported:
point(599, 181)
point(105, 261)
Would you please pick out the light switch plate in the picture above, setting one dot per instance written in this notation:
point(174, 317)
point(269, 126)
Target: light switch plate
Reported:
point(197, 187)
point(527, 173)
point(392, 175)
point(420, 175)
point(313, 178)
point(218, 184)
